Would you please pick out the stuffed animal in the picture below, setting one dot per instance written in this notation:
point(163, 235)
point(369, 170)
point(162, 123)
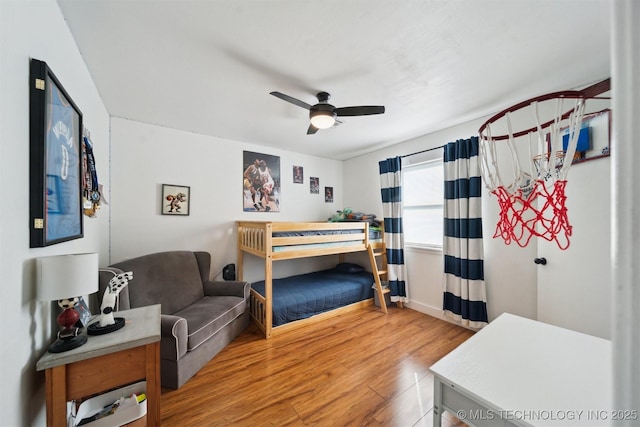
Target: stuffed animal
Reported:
point(107, 307)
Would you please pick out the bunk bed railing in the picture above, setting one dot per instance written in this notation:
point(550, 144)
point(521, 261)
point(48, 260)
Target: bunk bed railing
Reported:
point(257, 307)
point(253, 236)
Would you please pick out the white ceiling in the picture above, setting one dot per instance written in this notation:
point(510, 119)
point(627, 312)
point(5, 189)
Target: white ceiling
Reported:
point(208, 66)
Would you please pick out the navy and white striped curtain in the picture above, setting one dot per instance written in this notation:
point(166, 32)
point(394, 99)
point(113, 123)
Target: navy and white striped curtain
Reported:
point(391, 189)
point(465, 296)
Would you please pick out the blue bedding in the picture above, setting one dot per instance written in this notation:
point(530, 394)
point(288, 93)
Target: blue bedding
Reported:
point(305, 295)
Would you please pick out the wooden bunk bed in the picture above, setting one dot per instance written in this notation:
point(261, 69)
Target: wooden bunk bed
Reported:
point(275, 241)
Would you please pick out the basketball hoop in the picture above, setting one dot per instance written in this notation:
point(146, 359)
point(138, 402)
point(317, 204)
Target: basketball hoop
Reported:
point(527, 170)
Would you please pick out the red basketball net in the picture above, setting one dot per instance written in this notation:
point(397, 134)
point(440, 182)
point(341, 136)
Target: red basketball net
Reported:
point(532, 199)
point(527, 170)
point(520, 219)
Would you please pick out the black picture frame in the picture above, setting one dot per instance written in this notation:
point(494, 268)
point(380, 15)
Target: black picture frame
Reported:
point(176, 200)
point(55, 160)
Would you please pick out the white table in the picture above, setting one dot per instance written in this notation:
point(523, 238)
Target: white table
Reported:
point(520, 372)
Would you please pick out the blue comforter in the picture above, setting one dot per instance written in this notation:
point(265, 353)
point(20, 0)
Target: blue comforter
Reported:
point(302, 296)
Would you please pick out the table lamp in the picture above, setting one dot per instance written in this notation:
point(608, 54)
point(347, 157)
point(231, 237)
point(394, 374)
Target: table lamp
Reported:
point(65, 278)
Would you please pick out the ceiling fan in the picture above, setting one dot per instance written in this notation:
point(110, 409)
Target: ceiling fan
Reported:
point(323, 115)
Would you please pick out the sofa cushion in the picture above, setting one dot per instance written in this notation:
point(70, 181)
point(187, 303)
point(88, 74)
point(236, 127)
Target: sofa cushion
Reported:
point(171, 279)
point(207, 316)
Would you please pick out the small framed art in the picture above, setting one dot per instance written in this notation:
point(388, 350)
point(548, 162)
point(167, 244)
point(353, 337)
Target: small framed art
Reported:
point(298, 175)
point(55, 160)
point(596, 132)
point(328, 194)
point(594, 138)
point(314, 185)
point(176, 199)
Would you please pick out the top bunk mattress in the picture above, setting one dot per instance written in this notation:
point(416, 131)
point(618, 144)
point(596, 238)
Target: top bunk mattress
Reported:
point(305, 295)
point(374, 236)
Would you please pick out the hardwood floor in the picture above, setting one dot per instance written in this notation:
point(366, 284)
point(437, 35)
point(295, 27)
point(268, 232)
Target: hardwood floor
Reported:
point(363, 368)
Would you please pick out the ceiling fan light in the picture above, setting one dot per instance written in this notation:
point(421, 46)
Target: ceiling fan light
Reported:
point(323, 119)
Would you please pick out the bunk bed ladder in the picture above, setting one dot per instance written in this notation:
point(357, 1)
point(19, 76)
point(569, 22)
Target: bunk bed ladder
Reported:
point(379, 274)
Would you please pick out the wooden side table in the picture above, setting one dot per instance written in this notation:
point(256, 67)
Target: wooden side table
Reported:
point(105, 362)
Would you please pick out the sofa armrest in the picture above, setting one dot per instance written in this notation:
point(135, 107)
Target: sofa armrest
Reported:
point(227, 288)
point(174, 330)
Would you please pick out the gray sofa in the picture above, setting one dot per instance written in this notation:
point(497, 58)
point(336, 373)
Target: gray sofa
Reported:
point(199, 317)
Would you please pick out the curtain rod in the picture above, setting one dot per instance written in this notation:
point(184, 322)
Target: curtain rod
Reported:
point(423, 151)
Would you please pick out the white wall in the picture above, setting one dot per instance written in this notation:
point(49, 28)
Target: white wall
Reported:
point(146, 156)
point(35, 29)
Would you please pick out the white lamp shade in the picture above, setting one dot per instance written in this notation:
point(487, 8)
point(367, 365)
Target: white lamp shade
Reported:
point(66, 276)
point(322, 119)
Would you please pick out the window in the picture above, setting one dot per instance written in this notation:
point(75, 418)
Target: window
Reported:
point(422, 197)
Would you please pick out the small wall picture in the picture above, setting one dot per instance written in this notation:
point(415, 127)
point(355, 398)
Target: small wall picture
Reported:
point(328, 194)
point(298, 177)
point(175, 199)
point(314, 185)
point(594, 138)
point(261, 182)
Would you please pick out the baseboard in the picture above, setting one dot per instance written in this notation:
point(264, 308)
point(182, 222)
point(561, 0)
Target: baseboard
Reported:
point(426, 309)
point(432, 311)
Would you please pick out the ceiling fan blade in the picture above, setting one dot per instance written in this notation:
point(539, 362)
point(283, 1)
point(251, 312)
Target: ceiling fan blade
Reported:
point(292, 100)
point(359, 111)
point(312, 129)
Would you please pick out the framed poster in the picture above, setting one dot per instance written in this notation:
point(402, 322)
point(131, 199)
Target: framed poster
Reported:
point(176, 199)
point(261, 182)
point(298, 174)
point(55, 160)
point(314, 185)
point(328, 194)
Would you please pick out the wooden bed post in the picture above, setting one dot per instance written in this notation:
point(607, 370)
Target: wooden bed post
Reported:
point(268, 279)
point(240, 257)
